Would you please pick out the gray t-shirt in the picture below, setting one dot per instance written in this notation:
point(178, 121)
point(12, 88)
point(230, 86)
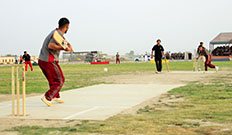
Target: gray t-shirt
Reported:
point(47, 54)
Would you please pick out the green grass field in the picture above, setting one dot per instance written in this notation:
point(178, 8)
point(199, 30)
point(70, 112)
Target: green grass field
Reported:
point(81, 75)
point(205, 110)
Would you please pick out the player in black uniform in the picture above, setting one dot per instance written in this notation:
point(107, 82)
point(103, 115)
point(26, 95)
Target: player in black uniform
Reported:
point(27, 59)
point(159, 53)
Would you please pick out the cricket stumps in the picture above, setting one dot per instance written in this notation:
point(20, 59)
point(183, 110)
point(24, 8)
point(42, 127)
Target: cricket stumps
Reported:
point(16, 80)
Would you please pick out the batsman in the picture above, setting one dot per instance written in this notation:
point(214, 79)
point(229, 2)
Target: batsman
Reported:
point(49, 63)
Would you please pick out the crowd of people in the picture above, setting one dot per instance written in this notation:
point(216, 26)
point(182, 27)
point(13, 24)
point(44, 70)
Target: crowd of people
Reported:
point(222, 51)
point(177, 56)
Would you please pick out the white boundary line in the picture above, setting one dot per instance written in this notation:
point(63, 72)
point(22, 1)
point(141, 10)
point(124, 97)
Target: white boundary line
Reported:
point(79, 113)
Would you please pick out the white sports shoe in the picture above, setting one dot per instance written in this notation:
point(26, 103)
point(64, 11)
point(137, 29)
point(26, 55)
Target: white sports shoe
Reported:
point(48, 103)
point(217, 68)
point(58, 100)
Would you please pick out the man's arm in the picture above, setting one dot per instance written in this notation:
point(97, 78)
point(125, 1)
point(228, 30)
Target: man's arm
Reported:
point(29, 57)
point(163, 54)
point(163, 51)
point(198, 57)
point(152, 54)
point(53, 46)
point(69, 49)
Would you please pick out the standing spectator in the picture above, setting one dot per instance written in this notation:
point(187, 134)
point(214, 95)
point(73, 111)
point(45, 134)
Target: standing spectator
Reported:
point(159, 52)
point(27, 59)
point(21, 59)
point(16, 59)
point(117, 58)
point(146, 58)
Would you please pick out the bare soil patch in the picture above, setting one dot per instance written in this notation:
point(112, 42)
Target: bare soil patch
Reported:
point(174, 77)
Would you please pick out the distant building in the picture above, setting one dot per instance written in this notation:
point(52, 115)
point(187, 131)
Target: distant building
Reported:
point(7, 60)
point(221, 48)
point(11, 59)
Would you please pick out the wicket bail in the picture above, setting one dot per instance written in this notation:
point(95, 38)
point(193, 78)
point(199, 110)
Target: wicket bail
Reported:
point(18, 67)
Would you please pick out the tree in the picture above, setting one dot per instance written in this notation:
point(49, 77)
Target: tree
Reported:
point(131, 54)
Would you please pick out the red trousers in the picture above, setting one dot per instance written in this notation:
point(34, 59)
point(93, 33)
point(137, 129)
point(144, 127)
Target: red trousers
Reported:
point(55, 77)
point(208, 64)
point(117, 60)
point(28, 62)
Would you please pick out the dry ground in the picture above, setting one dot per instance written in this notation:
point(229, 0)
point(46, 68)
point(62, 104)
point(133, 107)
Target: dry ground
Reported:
point(138, 78)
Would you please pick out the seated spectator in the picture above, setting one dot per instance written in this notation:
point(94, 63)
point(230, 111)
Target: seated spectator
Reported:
point(222, 51)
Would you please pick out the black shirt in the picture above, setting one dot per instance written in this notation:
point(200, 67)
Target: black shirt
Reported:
point(198, 49)
point(158, 51)
point(27, 57)
point(203, 53)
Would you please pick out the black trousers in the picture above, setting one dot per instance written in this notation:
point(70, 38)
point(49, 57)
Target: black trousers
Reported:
point(158, 62)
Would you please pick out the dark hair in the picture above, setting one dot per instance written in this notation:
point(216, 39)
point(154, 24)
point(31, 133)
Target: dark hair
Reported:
point(158, 40)
point(62, 22)
point(25, 51)
point(201, 43)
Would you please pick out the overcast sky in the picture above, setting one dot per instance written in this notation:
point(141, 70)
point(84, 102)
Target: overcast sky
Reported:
point(113, 25)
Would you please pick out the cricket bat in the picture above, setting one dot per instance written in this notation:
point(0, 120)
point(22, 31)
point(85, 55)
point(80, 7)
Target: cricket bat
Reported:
point(59, 39)
point(166, 64)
